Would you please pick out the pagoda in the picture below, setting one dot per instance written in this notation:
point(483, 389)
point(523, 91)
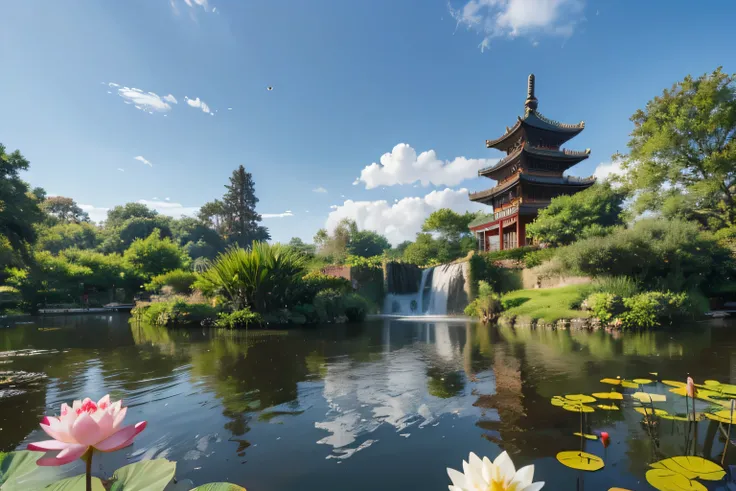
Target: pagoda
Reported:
point(528, 177)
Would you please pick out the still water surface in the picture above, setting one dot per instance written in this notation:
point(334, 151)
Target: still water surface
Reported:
point(382, 405)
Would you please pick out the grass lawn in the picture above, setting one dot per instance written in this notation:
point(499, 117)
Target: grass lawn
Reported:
point(548, 304)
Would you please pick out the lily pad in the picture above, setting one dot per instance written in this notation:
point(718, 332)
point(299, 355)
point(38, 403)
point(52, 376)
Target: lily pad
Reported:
point(76, 483)
point(692, 467)
point(608, 407)
point(587, 436)
point(578, 408)
point(666, 480)
point(647, 411)
point(646, 397)
point(147, 474)
point(585, 399)
point(611, 381)
point(714, 383)
point(642, 381)
point(675, 417)
point(629, 385)
point(674, 383)
point(575, 459)
point(616, 396)
point(219, 486)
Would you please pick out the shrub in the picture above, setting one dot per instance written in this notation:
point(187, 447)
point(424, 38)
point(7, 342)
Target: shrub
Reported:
point(356, 307)
point(176, 312)
point(651, 309)
point(539, 256)
point(517, 253)
point(487, 304)
point(604, 306)
point(153, 255)
point(238, 320)
point(179, 280)
point(314, 282)
point(621, 286)
point(264, 278)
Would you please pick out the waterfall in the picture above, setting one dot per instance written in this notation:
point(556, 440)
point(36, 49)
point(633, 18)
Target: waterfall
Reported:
point(441, 292)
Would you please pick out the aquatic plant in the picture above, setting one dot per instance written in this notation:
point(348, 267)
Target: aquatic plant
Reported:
point(499, 475)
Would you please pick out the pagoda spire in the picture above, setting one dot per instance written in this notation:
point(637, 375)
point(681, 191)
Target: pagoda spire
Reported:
point(531, 102)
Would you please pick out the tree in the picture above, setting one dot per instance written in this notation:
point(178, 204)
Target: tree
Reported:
point(366, 243)
point(299, 245)
point(212, 215)
point(19, 208)
point(427, 250)
point(120, 214)
point(587, 213)
point(682, 152)
point(68, 235)
point(348, 239)
point(153, 255)
point(64, 210)
point(239, 207)
point(197, 238)
point(448, 224)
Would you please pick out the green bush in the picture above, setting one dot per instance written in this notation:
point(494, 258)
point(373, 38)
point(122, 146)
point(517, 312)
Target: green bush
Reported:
point(356, 307)
point(621, 286)
point(263, 278)
point(517, 253)
point(604, 306)
point(314, 282)
point(536, 257)
point(179, 281)
point(176, 312)
point(658, 254)
point(487, 305)
point(238, 320)
point(334, 306)
point(652, 309)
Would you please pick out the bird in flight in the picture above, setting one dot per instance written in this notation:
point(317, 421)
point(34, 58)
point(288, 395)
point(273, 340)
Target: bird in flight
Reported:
point(269, 88)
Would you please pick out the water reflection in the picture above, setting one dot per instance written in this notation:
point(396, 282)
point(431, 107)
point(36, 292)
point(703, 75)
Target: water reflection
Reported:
point(408, 398)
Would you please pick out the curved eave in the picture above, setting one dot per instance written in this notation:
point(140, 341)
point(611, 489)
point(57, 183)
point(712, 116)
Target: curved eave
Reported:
point(482, 196)
point(565, 182)
point(537, 120)
point(503, 142)
point(571, 157)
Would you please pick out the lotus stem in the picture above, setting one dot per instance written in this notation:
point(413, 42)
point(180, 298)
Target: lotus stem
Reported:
point(728, 435)
point(581, 428)
point(88, 477)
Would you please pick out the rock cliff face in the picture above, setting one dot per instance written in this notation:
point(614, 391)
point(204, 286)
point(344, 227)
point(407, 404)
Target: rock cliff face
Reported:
point(441, 290)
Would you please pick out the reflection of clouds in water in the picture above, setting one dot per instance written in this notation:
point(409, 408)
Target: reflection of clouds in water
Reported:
point(364, 396)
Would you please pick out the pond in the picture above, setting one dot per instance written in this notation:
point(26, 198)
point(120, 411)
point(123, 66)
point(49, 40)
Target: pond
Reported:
point(386, 405)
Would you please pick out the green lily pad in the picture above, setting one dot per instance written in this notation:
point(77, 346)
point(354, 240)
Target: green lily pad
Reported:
point(583, 461)
point(692, 467)
point(666, 480)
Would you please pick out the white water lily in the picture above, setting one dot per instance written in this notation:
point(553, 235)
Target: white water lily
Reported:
point(499, 475)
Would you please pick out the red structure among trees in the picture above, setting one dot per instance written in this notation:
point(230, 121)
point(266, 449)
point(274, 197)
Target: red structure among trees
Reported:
point(528, 177)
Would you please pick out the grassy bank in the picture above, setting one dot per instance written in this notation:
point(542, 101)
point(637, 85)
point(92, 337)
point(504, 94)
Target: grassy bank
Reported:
point(548, 304)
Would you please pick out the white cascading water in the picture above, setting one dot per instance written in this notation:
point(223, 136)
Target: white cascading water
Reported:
point(434, 291)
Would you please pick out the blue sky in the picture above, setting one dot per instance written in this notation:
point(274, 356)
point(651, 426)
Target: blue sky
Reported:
point(351, 80)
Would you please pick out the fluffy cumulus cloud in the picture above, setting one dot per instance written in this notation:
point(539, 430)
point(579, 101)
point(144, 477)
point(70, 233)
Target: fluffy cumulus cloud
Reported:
point(285, 214)
point(96, 213)
point(403, 219)
point(513, 18)
point(319, 190)
point(403, 166)
point(199, 104)
point(169, 208)
point(142, 159)
point(149, 102)
point(608, 170)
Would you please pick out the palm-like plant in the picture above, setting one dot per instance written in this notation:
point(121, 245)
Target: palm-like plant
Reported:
point(263, 277)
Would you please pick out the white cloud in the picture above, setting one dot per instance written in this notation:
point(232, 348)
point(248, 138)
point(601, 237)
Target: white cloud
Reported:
point(96, 213)
point(141, 158)
point(402, 220)
point(287, 213)
point(168, 208)
point(607, 170)
point(200, 104)
point(403, 166)
point(319, 190)
point(121, 170)
point(513, 18)
point(145, 101)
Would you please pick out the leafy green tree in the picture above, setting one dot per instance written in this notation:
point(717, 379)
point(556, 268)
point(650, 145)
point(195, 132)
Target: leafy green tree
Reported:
point(299, 245)
point(155, 255)
point(212, 215)
point(587, 213)
point(197, 238)
point(107, 271)
point(426, 250)
point(64, 210)
point(366, 243)
point(118, 238)
point(347, 239)
point(19, 207)
point(682, 152)
point(448, 224)
point(120, 214)
point(68, 235)
point(239, 206)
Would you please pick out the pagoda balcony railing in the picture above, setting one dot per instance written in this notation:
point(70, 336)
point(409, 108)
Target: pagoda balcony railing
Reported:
point(506, 212)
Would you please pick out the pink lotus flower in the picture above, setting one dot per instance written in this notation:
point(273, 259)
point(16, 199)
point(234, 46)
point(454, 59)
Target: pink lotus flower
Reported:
point(83, 426)
point(690, 388)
